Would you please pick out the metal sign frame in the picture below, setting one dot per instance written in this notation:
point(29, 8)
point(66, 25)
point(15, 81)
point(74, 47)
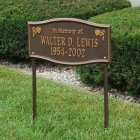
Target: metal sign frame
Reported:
point(105, 61)
point(69, 35)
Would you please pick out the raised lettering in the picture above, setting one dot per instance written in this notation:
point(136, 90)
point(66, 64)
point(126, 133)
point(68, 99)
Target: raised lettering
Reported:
point(96, 43)
point(69, 41)
point(63, 41)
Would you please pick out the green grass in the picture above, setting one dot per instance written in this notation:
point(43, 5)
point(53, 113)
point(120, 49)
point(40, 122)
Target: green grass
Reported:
point(63, 112)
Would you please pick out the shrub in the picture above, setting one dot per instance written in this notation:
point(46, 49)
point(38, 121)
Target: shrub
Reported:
point(125, 66)
point(15, 14)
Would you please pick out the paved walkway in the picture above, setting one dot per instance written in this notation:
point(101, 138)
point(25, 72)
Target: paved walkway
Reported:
point(135, 3)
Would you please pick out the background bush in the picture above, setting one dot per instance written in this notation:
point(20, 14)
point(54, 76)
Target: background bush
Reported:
point(124, 70)
point(14, 15)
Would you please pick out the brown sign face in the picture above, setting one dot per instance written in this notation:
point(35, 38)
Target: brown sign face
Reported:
point(69, 41)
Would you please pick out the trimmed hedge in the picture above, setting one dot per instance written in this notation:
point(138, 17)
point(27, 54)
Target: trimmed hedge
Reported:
point(14, 15)
point(124, 70)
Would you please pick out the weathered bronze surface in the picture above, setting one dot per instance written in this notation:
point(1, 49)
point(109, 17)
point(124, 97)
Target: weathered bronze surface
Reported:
point(69, 41)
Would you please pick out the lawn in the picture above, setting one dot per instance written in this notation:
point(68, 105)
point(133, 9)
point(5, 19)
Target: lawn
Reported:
point(64, 112)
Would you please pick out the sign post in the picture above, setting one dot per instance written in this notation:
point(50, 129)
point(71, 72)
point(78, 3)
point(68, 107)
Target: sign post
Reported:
point(106, 108)
point(34, 107)
point(72, 42)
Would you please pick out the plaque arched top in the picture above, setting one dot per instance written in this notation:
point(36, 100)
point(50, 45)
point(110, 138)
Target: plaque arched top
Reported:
point(69, 41)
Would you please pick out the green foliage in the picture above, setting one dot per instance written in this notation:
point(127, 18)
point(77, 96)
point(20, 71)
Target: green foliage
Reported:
point(63, 112)
point(124, 70)
point(14, 15)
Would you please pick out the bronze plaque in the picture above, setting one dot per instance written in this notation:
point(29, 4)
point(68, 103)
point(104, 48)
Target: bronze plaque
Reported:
point(69, 41)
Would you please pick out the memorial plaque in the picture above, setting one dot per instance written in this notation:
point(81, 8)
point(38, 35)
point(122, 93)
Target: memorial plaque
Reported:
point(69, 41)
point(72, 42)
